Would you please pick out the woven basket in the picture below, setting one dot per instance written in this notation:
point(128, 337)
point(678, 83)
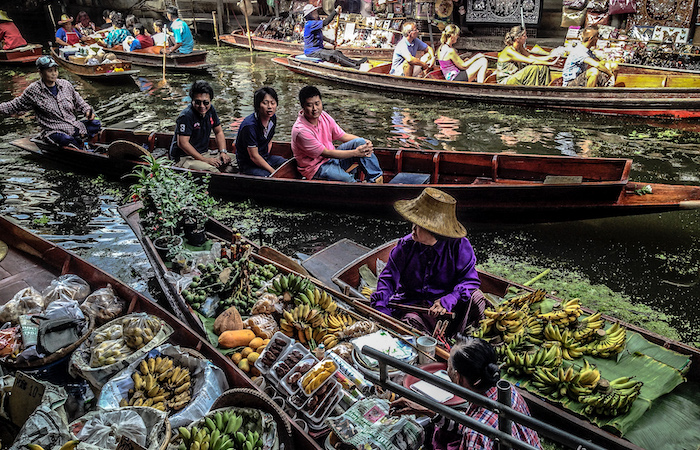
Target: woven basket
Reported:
point(249, 398)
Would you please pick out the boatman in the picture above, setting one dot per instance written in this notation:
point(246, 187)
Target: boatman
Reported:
point(313, 134)
point(10, 37)
point(190, 146)
point(433, 268)
point(184, 43)
point(405, 61)
point(314, 38)
point(56, 104)
point(583, 68)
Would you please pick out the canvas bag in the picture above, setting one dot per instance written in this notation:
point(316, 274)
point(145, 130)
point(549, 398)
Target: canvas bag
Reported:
point(54, 334)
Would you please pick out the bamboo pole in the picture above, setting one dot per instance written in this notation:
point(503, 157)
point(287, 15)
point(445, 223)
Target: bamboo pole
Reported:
point(247, 29)
point(337, 28)
point(216, 28)
point(165, 50)
point(53, 20)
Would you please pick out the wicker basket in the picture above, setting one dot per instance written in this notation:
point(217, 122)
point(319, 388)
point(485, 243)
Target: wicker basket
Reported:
point(249, 398)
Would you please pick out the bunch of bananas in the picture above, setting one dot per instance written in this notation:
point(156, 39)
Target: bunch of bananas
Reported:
point(570, 348)
point(367, 291)
point(563, 315)
point(338, 322)
point(138, 330)
point(567, 383)
point(615, 399)
point(525, 299)
point(587, 326)
point(161, 384)
point(109, 352)
point(505, 319)
point(528, 362)
point(70, 445)
point(316, 376)
point(222, 431)
point(609, 342)
point(586, 381)
point(301, 321)
point(533, 330)
point(289, 286)
point(359, 328)
point(317, 298)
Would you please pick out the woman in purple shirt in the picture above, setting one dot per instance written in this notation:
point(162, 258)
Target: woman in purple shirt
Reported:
point(433, 267)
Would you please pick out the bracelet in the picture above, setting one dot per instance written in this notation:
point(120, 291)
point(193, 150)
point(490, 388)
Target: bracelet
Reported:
point(223, 150)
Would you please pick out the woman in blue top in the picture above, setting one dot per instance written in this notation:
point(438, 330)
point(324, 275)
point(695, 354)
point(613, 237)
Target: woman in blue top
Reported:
point(254, 139)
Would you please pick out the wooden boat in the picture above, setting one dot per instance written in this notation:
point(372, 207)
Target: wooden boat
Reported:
point(33, 261)
point(348, 280)
point(102, 72)
point(674, 96)
point(488, 186)
point(151, 57)
point(22, 55)
point(239, 39)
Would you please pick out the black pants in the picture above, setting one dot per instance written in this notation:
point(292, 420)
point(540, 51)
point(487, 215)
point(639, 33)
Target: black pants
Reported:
point(335, 56)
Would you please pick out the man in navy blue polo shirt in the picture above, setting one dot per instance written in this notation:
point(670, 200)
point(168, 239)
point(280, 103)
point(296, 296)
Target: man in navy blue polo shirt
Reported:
point(190, 146)
point(313, 39)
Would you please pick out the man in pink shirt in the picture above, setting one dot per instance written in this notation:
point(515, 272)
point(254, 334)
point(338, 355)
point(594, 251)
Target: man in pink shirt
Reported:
point(317, 158)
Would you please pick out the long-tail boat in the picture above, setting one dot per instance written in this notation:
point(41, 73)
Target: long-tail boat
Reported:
point(26, 54)
point(673, 95)
point(196, 61)
point(348, 280)
point(105, 73)
point(34, 261)
point(239, 39)
point(488, 186)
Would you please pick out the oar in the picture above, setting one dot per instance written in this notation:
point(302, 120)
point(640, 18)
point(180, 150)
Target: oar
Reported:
point(413, 308)
point(337, 27)
point(216, 28)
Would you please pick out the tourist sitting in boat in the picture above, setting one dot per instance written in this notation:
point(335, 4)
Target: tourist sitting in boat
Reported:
point(314, 39)
point(317, 158)
point(119, 33)
point(516, 65)
point(434, 267)
point(455, 68)
point(583, 68)
point(405, 61)
point(55, 104)
point(254, 138)
point(143, 38)
point(67, 35)
point(190, 145)
point(474, 366)
point(10, 37)
point(107, 17)
point(160, 36)
point(184, 43)
point(84, 25)
point(129, 23)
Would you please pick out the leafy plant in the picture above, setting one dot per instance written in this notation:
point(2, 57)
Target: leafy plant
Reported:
point(168, 197)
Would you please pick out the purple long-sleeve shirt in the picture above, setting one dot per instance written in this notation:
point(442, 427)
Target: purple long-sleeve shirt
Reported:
point(418, 274)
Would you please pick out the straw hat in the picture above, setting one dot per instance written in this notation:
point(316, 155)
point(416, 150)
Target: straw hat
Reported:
point(308, 9)
point(4, 17)
point(433, 210)
point(65, 18)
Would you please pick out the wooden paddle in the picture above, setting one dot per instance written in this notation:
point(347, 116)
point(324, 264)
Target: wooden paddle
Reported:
point(337, 27)
point(413, 308)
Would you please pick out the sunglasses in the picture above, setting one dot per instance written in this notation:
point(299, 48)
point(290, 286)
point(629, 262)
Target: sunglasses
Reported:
point(201, 102)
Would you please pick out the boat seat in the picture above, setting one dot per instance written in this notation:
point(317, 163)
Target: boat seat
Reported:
point(307, 58)
point(436, 75)
point(288, 170)
point(410, 178)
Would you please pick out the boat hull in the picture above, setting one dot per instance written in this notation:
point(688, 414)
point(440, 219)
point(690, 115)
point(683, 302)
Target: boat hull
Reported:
point(98, 72)
point(21, 56)
point(505, 188)
point(661, 102)
point(151, 57)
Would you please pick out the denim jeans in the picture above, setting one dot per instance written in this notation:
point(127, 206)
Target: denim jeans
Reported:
point(273, 160)
point(334, 169)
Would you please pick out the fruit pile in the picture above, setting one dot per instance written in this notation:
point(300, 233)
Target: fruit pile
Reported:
point(224, 430)
point(313, 379)
point(289, 286)
point(160, 384)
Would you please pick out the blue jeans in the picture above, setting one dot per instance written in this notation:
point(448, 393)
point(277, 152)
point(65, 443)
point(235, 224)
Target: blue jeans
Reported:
point(63, 140)
point(335, 169)
point(273, 160)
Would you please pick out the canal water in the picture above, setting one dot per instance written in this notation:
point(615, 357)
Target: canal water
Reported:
point(651, 260)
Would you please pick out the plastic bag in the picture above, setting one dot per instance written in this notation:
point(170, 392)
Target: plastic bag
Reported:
point(263, 325)
point(103, 305)
point(598, 5)
point(267, 304)
point(64, 308)
point(597, 18)
point(572, 18)
point(208, 383)
point(10, 341)
point(26, 301)
point(622, 6)
point(139, 329)
point(47, 426)
point(69, 286)
point(104, 430)
point(109, 352)
point(575, 4)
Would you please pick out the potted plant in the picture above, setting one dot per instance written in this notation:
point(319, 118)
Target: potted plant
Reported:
point(192, 222)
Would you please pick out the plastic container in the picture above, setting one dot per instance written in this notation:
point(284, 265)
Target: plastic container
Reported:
point(330, 400)
point(352, 374)
point(316, 370)
point(298, 400)
point(291, 356)
point(290, 381)
point(273, 350)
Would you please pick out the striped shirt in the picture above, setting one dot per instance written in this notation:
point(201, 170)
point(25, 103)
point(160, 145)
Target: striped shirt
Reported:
point(52, 113)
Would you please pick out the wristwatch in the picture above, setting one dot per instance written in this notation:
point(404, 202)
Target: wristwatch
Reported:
point(223, 150)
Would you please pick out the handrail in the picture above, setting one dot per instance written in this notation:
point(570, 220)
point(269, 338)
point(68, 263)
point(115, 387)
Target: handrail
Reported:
point(503, 411)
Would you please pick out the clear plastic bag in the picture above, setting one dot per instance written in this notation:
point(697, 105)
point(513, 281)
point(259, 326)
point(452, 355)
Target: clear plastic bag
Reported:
point(139, 329)
point(572, 18)
point(109, 352)
point(64, 308)
point(68, 286)
point(105, 429)
point(103, 305)
point(263, 325)
point(26, 301)
point(10, 341)
point(267, 304)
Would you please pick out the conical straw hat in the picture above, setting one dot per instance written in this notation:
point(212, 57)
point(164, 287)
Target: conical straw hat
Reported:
point(4, 17)
point(433, 210)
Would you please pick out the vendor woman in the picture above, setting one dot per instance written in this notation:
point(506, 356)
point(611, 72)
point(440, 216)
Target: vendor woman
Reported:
point(433, 267)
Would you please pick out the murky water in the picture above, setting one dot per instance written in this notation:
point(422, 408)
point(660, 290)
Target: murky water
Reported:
point(653, 259)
